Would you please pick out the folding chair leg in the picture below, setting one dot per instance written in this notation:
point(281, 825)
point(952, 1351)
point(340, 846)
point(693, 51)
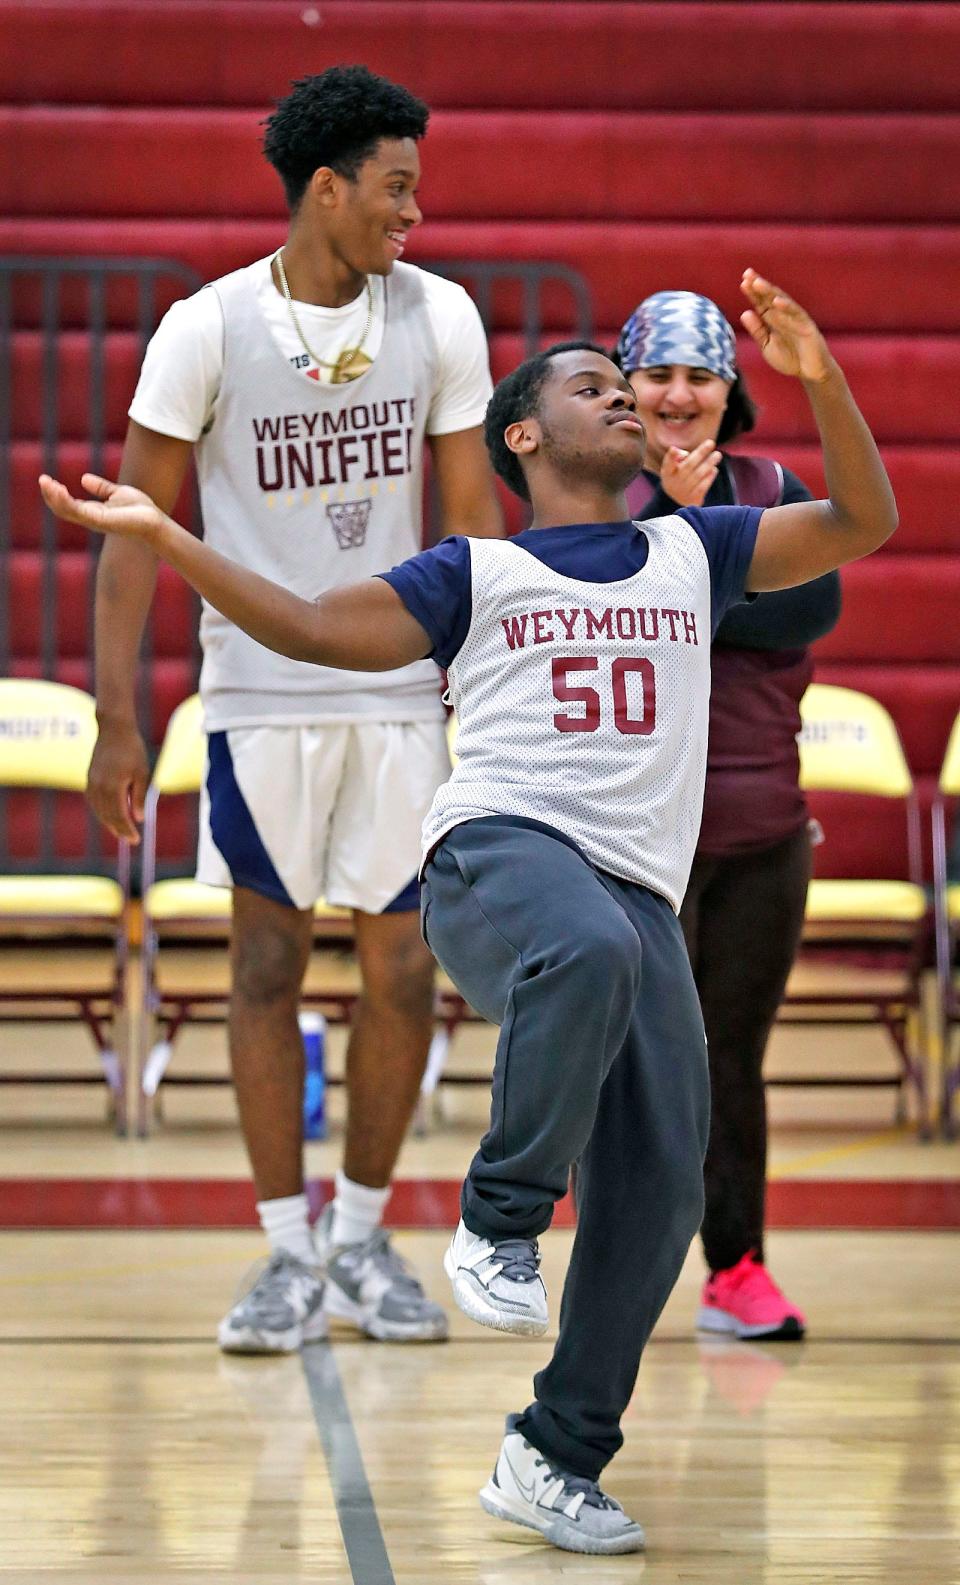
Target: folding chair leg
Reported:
point(951, 1083)
point(900, 1106)
point(144, 1037)
point(920, 1025)
point(108, 1029)
point(432, 1073)
point(155, 1066)
point(158, 1060)
point(436, 1061)
point(423, 1116)
point(154, 1060)
point(112, 1065)
point(909, 1038)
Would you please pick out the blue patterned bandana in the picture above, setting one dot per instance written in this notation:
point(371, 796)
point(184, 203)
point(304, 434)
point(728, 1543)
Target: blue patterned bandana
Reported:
point(678, 327)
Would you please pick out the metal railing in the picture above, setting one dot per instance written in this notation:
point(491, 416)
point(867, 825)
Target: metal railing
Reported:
point(102, 292)
point(482, 277)
point(32, 298)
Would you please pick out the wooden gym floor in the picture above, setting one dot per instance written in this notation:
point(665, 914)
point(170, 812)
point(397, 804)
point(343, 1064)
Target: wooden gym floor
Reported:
point(131, 1450)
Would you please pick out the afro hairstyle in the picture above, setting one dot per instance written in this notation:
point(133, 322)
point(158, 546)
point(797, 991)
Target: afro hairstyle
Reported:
point(337, 119)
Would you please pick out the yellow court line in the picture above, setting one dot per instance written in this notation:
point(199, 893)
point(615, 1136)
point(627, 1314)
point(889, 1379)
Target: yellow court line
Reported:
point(821, 1158)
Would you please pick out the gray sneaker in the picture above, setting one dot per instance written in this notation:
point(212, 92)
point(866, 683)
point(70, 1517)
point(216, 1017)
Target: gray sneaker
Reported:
point(279, 1308)
point(498, 1284)
point(376, 1290)
point(568, 1510)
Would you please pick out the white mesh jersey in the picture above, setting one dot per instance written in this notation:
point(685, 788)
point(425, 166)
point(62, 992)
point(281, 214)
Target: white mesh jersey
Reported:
point(585, 705)
point(314, 486)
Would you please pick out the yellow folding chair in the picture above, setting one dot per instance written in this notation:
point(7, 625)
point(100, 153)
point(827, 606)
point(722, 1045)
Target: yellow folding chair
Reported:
point(183, 910)
point(865, 940)
point(947, 915)
point(47, 734)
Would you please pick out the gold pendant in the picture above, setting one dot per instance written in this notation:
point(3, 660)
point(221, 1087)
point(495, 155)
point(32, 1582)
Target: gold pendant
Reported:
point(351, 363)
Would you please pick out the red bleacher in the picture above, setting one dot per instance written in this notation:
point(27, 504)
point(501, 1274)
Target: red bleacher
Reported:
point(591, 164)
point(644, 145)
point(879, 284)
point(491, 54)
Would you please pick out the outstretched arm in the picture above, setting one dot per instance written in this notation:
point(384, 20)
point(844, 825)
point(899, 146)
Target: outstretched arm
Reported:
point(803, 541)
point(364, 627)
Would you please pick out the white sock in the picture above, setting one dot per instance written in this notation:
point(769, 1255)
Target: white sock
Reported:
point(285, 1224)
point(357, 1211)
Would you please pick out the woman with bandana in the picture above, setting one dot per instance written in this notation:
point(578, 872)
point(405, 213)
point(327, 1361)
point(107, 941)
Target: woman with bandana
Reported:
point(743, 911)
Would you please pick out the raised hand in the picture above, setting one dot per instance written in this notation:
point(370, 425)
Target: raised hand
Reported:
point(686, 476)
point(116, 509)
point(784, 332)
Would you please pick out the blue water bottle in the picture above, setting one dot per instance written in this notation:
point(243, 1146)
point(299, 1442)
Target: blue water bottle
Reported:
point(313, 1031)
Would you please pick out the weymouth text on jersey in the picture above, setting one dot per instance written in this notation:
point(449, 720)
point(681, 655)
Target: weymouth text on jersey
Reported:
point(648, 623)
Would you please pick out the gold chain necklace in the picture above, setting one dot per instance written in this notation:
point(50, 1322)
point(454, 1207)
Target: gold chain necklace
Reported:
point(353, 361)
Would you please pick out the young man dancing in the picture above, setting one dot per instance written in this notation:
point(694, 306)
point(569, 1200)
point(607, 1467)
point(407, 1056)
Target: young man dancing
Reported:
point(308, 383)
point(557, 854)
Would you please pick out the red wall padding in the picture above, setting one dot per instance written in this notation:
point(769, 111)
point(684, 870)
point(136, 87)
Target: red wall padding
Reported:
point(588, 56)
point(893, 378)
point(174, 623)
point(925, 479)
point(72, 460)
point(122, 357)
point(927, 485)
point(898, 608)
point(22, 818)
point(175, 839)
point(512, 165)
point(867, 837)
point(26, 507)
point(863, 277)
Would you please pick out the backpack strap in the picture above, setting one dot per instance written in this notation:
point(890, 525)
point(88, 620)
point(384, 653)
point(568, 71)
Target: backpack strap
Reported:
point(756, 481)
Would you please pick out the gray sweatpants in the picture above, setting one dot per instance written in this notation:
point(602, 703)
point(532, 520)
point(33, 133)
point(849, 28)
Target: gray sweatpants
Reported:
point(601, 1062)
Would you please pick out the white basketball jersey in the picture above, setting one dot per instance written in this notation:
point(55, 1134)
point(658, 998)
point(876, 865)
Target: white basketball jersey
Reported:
point(314, 486)
point(585, 705)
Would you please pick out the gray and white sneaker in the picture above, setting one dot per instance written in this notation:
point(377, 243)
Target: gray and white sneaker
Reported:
point(279, 1307)
point(569, 1511)
point(376, 1290)
point(498, 1284)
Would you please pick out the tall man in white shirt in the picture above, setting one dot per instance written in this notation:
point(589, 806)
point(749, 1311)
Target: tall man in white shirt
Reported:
point(306, 385)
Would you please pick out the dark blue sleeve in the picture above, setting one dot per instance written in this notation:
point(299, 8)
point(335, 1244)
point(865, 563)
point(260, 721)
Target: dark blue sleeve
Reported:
point(436, 589)
point(784, 618)
point(728, 534)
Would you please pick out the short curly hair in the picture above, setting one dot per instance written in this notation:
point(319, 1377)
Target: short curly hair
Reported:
point(337, 119)
point(517, 396)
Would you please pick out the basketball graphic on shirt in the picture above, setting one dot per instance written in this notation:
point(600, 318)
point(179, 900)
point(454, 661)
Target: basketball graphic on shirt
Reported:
point(349, 520)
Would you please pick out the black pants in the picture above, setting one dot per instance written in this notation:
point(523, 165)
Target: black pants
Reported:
point(742, 918)
point(601, 1060)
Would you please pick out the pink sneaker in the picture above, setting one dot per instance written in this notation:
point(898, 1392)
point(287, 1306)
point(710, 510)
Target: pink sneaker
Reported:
point(745, 1301)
